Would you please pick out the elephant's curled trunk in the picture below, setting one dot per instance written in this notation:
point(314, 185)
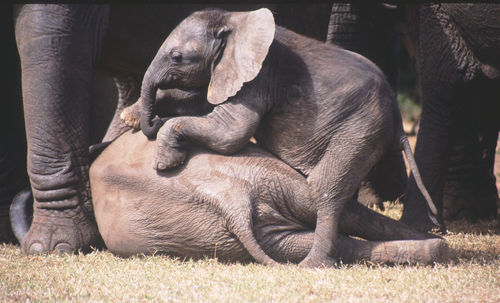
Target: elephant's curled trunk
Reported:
point(21, 213)
point(149, 124)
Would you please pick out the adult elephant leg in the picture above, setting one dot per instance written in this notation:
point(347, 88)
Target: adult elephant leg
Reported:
point(486, 191)
point(59, 46)
point(431, 155)
point(443, 66)
point(470, 191)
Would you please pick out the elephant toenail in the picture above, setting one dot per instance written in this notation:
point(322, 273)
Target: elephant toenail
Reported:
point(36, 248)
point(63, 248)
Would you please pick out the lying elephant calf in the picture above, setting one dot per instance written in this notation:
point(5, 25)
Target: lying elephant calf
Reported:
point(237, 208)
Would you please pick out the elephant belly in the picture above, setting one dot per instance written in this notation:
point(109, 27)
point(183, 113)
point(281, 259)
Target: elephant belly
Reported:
point(146, 222)
point(294, 137)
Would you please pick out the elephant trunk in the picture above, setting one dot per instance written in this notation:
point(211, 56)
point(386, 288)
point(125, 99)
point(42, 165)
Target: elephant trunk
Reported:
point(21, 213)
point(369, 30)
point(149, 124)
point(344, 27)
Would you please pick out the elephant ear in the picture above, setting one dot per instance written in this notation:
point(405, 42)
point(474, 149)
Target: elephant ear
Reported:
point(249, 36)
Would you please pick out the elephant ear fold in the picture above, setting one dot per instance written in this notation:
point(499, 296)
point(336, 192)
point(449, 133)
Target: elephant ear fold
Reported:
point(247, 42)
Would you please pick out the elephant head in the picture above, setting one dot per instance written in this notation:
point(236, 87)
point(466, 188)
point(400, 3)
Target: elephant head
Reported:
point(211, 51)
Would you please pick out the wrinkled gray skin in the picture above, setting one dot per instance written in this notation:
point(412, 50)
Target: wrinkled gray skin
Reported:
point(249, 206)
point(325, 111)
point(454, 47)
point(61, 47)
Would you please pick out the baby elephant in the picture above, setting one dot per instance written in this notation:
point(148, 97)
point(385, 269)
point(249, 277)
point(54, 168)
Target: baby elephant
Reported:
point(327, 112)
point(241, 207)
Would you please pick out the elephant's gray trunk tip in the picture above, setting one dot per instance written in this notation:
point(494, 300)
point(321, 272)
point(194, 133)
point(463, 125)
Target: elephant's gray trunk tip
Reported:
point(21, 213)
point(151, 129)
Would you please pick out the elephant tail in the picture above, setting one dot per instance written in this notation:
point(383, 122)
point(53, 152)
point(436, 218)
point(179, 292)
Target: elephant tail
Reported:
point(418, 179)
point(21, 213)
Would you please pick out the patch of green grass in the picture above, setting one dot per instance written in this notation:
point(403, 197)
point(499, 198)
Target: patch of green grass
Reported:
point(408, 105)
point(471, 275)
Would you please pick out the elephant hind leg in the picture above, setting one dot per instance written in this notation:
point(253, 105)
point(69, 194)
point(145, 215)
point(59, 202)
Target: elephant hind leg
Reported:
point(392, 252)
point(293, 246)
point(333, 182)
point(358, 220)
point(237, 210)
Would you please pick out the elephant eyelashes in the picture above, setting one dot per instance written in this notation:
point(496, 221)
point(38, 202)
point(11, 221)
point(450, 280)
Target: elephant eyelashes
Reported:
point(176, 57)
point(222, 33)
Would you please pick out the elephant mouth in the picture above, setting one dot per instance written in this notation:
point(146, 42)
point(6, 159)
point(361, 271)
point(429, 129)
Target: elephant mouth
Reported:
point(177, 102)
point(179, 95)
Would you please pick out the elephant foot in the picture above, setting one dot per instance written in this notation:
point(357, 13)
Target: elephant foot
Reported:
point(6, 234)
point(315, 261)
point(420, 221)
point(64, 231)
point(167, 157)
point(433, 250)
point(411, 252)
point(461, 202)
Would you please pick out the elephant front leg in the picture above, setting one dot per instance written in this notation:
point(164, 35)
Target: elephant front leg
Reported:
point(169, 150)
point(55, 46)
point(225, 130)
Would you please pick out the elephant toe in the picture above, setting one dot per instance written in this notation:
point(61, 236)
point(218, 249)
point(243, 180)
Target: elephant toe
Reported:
point(167, 158)
point(437, 250)
point(159, 166)
point(64, 248)
point(57, 233)
point(316, 262)
point(36, 248)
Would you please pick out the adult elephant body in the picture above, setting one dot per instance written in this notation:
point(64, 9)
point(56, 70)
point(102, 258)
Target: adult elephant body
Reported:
point(60, 48)
point(455, 49)
point(248, 206)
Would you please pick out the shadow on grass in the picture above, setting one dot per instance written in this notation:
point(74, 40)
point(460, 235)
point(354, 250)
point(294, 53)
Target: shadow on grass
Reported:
point(480, 227)
point(474, 243)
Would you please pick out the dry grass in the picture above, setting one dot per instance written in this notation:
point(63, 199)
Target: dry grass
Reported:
point(472, 275)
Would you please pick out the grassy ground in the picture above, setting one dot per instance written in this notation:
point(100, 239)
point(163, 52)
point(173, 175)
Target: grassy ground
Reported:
point(471, 275)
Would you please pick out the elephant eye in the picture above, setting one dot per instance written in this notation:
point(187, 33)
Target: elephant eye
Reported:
point(176, 57)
